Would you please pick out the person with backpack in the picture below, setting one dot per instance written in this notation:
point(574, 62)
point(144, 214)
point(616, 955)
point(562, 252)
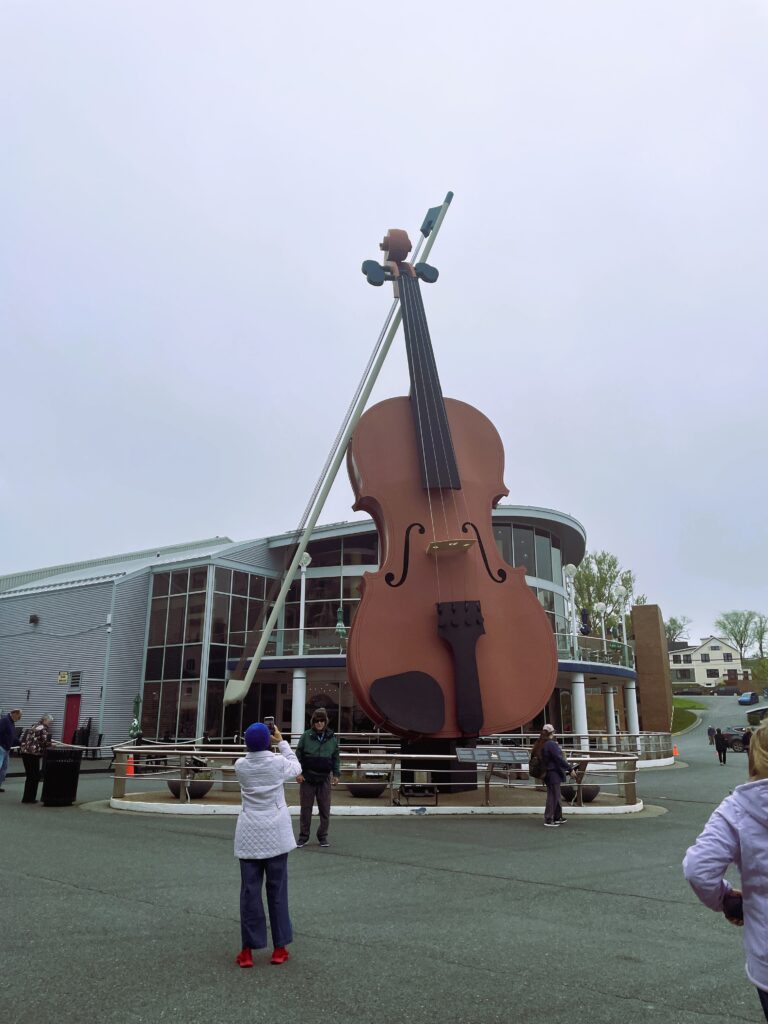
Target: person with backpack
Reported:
point(33, 744)
point(547, 762)
point(721, 746)
point(318, 752)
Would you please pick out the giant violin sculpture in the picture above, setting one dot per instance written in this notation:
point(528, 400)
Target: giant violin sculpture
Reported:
point(448, 641)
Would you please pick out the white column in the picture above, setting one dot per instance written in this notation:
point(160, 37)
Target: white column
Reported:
point(610, 712)
point(298, 704)
point(630, 703)
point(579, 709)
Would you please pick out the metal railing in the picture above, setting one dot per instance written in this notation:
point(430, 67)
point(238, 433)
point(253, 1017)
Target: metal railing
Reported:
point(593, 649)
point(380, 769)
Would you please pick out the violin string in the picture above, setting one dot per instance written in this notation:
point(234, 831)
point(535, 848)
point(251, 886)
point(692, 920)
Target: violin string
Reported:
point(414, 298)
point(410, 347)
point(446, 440)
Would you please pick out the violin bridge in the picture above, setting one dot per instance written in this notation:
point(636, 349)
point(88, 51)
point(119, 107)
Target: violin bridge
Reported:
point(449, 547)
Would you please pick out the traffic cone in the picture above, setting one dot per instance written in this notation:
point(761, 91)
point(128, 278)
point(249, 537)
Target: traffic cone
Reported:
point(675, 751)
point(129, 769)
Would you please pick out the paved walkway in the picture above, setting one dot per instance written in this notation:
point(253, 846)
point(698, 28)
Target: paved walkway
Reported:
point(122, 918)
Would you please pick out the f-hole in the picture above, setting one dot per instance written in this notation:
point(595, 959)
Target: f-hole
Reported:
point(388, 579)
point(502, 574)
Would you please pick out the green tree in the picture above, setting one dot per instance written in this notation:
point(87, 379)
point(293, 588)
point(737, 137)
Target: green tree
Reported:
point(596, 580)
point(760, 633)
point(738, 627)
point(676, 629)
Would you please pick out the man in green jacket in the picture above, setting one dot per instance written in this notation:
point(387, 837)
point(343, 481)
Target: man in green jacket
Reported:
point(318, 754)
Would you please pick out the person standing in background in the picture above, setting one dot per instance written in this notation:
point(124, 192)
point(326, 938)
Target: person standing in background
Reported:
point(34, 743)
point(720, 746)
point(318, 752)
point(7, 740)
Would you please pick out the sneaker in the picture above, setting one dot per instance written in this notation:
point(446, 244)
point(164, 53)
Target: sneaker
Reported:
point(301, 843)
point(551, 824)
point(561, 821)
point(324, 842)
point(279, 955)
point(244, 958)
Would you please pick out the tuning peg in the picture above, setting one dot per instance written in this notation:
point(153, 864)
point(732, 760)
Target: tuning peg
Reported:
point(374, 273)
point(426, 273)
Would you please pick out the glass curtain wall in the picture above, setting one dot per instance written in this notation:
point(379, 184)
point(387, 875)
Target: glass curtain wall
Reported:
point(540, 552)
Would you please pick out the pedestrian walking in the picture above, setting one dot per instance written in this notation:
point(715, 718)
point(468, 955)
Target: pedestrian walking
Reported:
point(737, 833)
point(557, 768)
point(7, 740)
point(263, 840)
point(318, 753)
point(711, 735)
point(720, 746)
point(34, 743)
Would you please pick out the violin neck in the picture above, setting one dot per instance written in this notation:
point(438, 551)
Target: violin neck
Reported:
point(433, 433)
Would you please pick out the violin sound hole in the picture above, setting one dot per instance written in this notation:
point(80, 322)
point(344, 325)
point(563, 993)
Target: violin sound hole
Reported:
point(501, 573)
point(389, 578)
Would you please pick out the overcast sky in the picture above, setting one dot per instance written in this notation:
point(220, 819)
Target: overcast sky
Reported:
point(188, 190)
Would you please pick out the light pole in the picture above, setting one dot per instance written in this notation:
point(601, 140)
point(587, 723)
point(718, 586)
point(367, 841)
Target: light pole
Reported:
point(304, 562)
point(621, 592)
point(600, 609)
point(569, 571)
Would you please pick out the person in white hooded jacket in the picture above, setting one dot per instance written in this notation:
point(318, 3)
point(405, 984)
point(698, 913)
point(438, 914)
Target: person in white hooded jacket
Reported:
point(737, 833)
point(263, 840)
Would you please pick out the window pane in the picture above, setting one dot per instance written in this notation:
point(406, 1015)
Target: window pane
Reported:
point(291, 616)
point(363, 550)
point(192, 657)
point(177, 608)
point(150, 706)
point(188, 709)
point(195, 616)
point(547, 599)
point(255, 613)
point(320, 613)
point(179, 581)
point(157, 619)
point(154, 669)
point(220, 620)
point(217, 661)
point(213, 710)
point(223, 580)
point(169, 700)
point(198, 578)
point(172, 664)
point(557, 561)
point(503, 534)
point(522, 537)
point(543, 555)
point(323, 589)
point(326, 552)
point(240, 583)
point(237, 614)
point(351, 587)
point(160, 584)
point(257, 587)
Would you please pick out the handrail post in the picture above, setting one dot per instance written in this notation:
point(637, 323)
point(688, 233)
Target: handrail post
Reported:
point(118, 781)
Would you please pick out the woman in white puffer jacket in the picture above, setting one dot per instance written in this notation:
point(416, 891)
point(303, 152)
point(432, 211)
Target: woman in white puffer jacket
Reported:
point(263, 840)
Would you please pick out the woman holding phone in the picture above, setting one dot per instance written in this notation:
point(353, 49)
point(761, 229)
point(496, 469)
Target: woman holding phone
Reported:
point(263, 840)
point(737, 833)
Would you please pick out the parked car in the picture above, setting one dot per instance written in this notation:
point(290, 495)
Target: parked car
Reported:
point(748, 697)
point(733, 738)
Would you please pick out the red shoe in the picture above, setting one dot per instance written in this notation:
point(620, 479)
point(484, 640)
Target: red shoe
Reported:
point(279, 955)
point(244, 958)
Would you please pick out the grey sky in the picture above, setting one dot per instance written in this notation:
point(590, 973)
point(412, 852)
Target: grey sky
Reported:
point(188, 190)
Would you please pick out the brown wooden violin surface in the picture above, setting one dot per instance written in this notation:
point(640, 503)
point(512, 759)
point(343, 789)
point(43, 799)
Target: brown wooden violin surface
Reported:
point(448, 640)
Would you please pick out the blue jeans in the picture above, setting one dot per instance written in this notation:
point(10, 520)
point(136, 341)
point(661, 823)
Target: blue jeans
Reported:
point(253, 923)
point(4, 759)
point(763, 1001)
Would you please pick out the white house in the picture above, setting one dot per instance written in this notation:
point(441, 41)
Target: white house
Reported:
point(713, 661)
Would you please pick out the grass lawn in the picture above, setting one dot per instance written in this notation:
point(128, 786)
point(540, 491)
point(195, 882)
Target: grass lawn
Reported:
point(681, 719)
point(688, 705)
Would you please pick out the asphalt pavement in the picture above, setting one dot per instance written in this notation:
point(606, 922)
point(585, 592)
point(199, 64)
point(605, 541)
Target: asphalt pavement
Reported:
point(118, 917)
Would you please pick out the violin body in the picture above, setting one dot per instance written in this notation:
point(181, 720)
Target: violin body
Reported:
point(396, 636)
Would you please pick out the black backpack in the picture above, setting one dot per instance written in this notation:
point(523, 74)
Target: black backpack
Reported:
point(536, 766)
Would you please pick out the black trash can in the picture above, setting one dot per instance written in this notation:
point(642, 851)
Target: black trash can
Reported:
point(61, 770)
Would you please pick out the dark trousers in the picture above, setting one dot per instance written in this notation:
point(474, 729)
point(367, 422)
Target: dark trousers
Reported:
point(253, 923)
point(33, 772)
point(721, 755)
point(308, 793)
point(763, 1001)
point(554, 810)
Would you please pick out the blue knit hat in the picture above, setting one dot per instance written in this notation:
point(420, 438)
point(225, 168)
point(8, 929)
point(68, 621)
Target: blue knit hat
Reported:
point(258, 737)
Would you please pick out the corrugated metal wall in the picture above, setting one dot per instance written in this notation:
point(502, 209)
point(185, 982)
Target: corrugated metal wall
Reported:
point(257, 556)
point(126, 656)
point(70, 637)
